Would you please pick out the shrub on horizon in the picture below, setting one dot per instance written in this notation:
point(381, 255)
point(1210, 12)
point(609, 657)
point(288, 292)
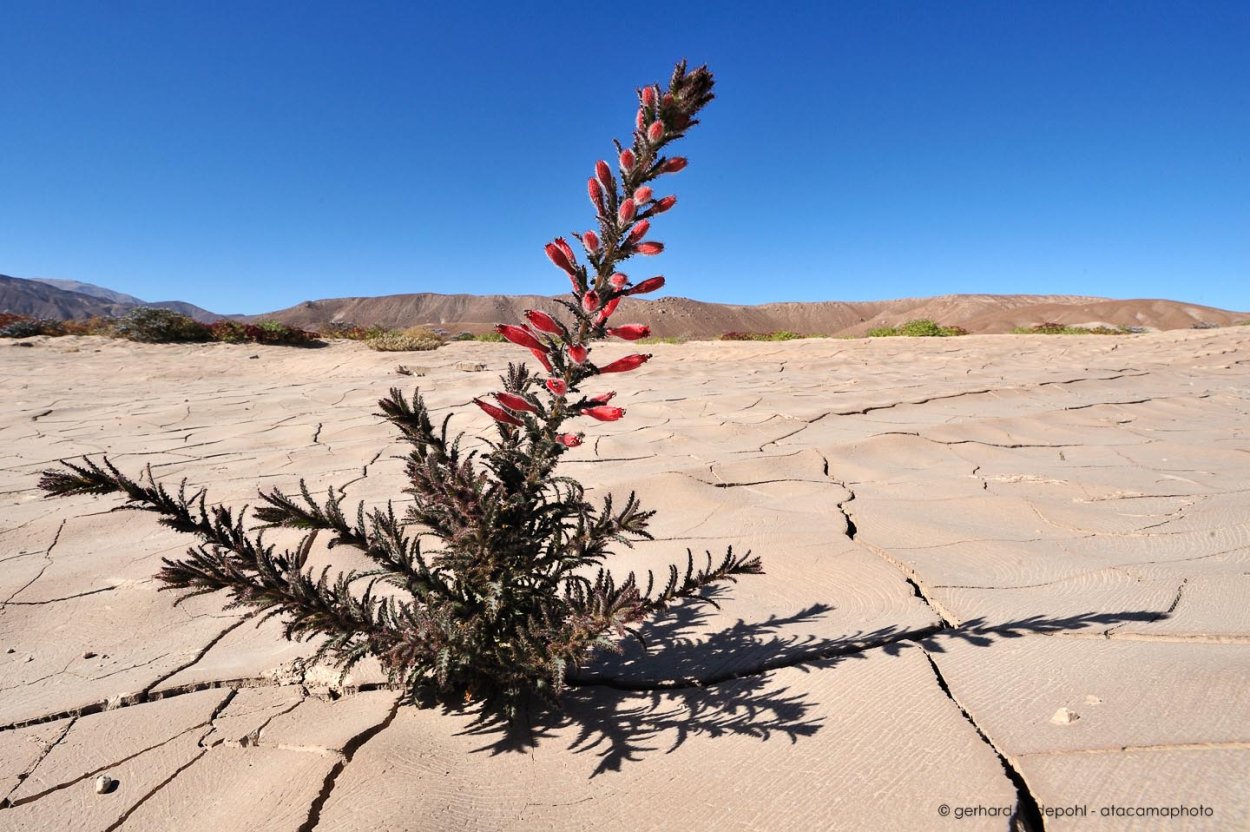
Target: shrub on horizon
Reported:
point(1052, 328)
point(918, 328)
point(154, 325)
point(516, 597)
point(20, 326)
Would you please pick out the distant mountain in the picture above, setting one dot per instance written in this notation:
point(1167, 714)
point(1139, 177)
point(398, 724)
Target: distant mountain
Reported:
point(92, 290)
point(71, 300)
point(674, 316)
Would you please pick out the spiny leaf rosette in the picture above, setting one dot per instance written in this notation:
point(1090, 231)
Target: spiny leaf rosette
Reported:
point(516, 597)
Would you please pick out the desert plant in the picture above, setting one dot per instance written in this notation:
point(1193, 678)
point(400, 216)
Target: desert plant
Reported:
point(96, 325)
point(19, 326)
point(228, 332)
point(490, 338)
point(154, 325)
point(516, 597)
point(1052, 328)
point(402, 342)
point(918, 328)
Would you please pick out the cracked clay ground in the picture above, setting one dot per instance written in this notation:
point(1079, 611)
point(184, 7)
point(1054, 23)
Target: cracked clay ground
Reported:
point(1002, 571)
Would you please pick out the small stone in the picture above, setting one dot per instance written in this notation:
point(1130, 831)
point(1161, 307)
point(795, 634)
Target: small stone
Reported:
point(11, 650)
point(470, 366)
point(1064, 716)
point(89, 655)
point(1090, 699)
point(105, 784)
point(253, 356)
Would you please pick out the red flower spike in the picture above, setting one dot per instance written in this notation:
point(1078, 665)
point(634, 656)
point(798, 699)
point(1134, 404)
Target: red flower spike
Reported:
point(627, 211)
point(591, 240)
point(578, 353)
point(515, 402)
point(642, 195)
point(607, 310)
point(618, 280)
point(567, 249)
point(627, 160)
point(648, 285)
point(624, 365)
point(498, 413)
point(595, 190)
point(648, 96)
point(630, 332)
point(542, 322)
point(541, 355)
point(556, 255)
point(641, 119)
point(604, 173)
point(655, 132)
point(650, 248)
point(557, 386)
point(664, 204)
point(638, 232)
point(603, 398)
point(569, 440)
point(604, 413)
point(674, 164)
point(520, 336)
point(590, 302)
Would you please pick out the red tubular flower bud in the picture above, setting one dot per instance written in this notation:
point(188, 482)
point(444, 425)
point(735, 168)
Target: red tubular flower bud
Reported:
point(557, 386)
point(648, 96)
point(663, 205)
point(595, 190)
point(627, 211)
point(638, 232)
point(520, 336)
point(642, 195)
point(650, 248)
point(542, 322)
point(603, 398)
point(578, 353)
point(569, 440)
point(674, 164)
point(541, 355)
point(556, 255)
point(604, 173)
point(607, 310)
point(498, 413)
point(618, 280)
point(515, 402)
point(655, 132)
point(641, 119)
point(627, 160)
point(648, 285)
point(591, 240)
point(630, 332)
point(624, 365)
point(567, 249)
point(667, 99)
point(604, 413)
point(590, 301)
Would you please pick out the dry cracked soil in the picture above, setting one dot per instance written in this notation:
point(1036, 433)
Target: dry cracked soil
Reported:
point(1007, 577)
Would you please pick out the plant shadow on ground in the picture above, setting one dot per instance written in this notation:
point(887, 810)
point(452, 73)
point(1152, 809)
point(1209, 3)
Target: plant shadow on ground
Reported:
point(701, 686)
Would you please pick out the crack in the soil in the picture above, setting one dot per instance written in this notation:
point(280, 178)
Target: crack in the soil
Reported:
point(349, 751)
point(1028, 815)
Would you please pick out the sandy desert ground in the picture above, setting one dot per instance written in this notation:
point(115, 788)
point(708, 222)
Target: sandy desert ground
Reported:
point(1007, 572)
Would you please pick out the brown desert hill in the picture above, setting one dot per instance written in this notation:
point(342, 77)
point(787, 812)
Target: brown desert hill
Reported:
point(67, 300)
point(677, 316)
point(40, 300)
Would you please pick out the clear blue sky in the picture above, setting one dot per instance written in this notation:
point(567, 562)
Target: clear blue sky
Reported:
point(246, 156)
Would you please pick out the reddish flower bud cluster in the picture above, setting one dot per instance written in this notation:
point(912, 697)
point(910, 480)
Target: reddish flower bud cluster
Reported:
point(624, 365)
